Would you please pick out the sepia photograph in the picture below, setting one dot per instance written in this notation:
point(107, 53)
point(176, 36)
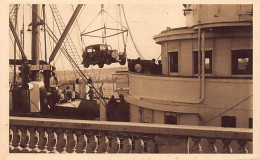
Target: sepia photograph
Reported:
point(130, 78)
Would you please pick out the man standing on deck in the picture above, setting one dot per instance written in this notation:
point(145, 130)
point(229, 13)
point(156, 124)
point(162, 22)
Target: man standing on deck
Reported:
point(138, 67)
point(90, 93)
point(101, 90)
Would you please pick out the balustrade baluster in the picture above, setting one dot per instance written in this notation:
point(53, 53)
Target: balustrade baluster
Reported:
point(52, 140)
point(34, 140)
point(71, 141)
point(16, 142)
point(139, 144)
point(103, 143)
point(25, 140)
point(150, 144)
point(196, 148)
point(11, 134)
point(61, 140)
point(43, 139)
point(226, 148)
point(115, 143)
point(93, 143)
point(81, 142)
point(211, 147)
point(31, 135)
point(242, 148)
point(127, 144)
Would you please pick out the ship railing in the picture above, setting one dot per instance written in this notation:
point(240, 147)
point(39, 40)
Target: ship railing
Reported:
point(120, 82)
point(47, 135)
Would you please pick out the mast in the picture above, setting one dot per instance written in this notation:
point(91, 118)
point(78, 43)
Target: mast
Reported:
point(35, 40)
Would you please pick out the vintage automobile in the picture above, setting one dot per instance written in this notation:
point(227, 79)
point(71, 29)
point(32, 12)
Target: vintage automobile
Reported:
point(101, 54)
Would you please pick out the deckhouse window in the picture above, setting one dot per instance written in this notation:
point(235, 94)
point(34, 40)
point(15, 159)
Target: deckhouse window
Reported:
point(242, 62)
point(228, 121)
point(170, 118)
point(173, 61)
point(208, 62)
point(250, 123)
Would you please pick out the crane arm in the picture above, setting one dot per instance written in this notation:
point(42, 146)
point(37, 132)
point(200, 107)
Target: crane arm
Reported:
point(65, 32)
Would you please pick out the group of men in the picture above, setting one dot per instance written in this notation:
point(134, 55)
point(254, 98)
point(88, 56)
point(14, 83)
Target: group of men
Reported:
point(144, 66)
point(156, 68)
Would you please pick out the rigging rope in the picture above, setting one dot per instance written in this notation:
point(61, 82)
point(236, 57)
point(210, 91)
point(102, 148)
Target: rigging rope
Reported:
point(82, 41)
point(74, 65)
point(124, 41)
point(91, 22)
point(64, 42)
point(68, 43)
point(45, 40)
point(52, 47)
point(18, 53)
point(227, 110)
point(139, 53)
point(77, 23)
point(114, 19)
point(64, 72)
point(117, 28)
point(16, 28)
point(159, 57)
point(23, 28)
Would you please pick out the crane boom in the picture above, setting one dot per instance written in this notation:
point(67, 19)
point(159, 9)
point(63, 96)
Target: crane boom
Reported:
point(65, 32)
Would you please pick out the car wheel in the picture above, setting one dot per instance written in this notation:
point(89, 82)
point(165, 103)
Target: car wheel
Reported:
point(108, 62)
point(101, 65)
point(86, 65)
point(123, 61)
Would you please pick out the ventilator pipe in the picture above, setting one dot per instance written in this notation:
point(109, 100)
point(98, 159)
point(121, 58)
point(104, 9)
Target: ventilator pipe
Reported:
point(202, 88)
point(201, 68)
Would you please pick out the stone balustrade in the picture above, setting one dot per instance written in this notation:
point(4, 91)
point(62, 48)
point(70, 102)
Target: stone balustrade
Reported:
point(45, 135)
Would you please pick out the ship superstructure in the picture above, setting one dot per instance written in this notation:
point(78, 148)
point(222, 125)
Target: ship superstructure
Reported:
point(206, 71)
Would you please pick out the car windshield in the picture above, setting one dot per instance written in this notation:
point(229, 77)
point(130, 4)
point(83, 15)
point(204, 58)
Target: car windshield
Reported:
point(103, 47)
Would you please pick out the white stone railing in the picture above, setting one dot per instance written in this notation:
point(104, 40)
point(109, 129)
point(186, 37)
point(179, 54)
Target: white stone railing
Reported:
point(45, 135)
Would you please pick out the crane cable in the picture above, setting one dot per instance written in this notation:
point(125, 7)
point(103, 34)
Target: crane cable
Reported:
point(74, 65)
point(45, 40)
point(60, 34)
point(17, 54)
point(117, 28)
point(139, 53)
point(16, 28)
point(52, 47)
point(83, 43)
point(124, 40)
point(23, 28)
point(79, 71)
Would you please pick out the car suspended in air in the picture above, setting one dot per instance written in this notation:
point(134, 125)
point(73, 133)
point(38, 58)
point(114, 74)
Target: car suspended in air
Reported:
point(100, 54)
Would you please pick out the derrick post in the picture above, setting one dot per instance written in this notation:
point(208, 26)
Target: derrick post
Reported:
point(35, 39)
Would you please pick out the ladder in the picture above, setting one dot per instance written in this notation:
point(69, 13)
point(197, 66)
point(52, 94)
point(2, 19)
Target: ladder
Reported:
point(68, 43)
point(13, 12)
